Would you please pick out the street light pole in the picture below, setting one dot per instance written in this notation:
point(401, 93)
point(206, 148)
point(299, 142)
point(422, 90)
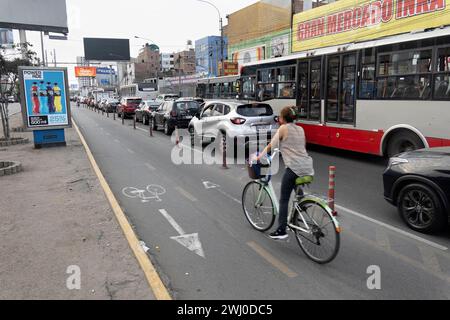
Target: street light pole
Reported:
point(221, 34)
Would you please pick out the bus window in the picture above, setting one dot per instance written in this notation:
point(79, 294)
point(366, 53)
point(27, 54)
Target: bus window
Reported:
point(286, 82)
point(347, 97)
point(266, 91)
point(332, 88)
point(367, 79)
point(404, 75)
point(248, 88)
point(315, 97)
point(442, 78)
point(303, 90)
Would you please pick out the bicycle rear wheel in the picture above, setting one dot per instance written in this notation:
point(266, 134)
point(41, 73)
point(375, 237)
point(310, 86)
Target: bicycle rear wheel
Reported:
point(322, 244)
point(260, 215)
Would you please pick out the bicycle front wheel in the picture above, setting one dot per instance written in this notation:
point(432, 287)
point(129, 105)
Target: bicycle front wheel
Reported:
point(321, 244)
point(258, 206)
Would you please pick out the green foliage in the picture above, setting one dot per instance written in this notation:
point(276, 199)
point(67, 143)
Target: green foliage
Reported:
point(22, 55)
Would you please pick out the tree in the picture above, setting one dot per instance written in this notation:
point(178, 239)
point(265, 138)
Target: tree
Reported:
point(9, 74)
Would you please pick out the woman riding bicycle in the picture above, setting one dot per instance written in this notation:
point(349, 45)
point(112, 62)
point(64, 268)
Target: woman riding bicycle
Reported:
point(290, 139)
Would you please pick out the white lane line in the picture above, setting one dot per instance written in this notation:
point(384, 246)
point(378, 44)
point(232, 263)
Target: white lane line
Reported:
point(150, 167)
point(171, 220)
point(131, 151)
point(108, 134)
point(146, 131)
point(392, 228)
point(429, 259)
point(117, 141)
point(229, 196)
point(186, 194)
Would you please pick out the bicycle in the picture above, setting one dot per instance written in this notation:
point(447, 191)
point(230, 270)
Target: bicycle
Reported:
point(154, 190)
point(311, 220)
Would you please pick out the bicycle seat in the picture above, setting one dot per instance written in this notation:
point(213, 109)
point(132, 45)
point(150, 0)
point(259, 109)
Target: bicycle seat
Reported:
point(300, 181)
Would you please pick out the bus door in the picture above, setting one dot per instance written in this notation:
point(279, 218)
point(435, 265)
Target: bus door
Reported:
point(309, 103)
point(340, 99)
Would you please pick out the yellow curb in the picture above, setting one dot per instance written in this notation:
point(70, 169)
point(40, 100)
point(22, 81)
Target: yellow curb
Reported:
point(157, 286)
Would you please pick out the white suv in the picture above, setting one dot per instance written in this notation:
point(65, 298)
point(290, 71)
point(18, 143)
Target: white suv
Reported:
point(234, 119)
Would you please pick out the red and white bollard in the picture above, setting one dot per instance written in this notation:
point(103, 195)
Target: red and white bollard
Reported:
point(331, 188)
point(177, 136)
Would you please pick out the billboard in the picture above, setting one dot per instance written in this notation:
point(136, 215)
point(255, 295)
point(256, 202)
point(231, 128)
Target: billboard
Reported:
point(6, 38)
point(105, 71)
point(348, 21)
point(249, 55)
point(85, 72)
point(42, 15)
point(230, 68)
point(279, 46)
point(45, 100)
point(101, 49)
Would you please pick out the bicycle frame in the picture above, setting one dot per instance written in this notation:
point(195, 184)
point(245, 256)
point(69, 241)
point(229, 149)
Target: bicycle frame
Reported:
point(268, 186)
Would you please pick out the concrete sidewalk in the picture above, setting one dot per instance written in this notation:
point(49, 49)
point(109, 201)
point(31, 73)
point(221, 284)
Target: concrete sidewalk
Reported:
point(54, 215)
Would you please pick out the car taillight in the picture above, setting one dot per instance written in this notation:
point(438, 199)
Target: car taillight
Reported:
point(238, 120)
point(173, 113)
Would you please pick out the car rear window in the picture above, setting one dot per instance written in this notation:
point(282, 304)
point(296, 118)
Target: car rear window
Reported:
point(186, 105)
point(134, 101)
point(255, 110)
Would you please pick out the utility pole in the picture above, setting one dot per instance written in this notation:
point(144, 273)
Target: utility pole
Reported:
point(23, 43)
point(43, 50)
point(221, 33)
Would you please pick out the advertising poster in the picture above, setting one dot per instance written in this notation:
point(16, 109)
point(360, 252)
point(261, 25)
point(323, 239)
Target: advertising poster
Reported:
point(45, 102)
point(85, 72)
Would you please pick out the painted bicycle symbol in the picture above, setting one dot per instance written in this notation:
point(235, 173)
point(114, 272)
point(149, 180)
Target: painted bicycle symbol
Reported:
point(151, 192)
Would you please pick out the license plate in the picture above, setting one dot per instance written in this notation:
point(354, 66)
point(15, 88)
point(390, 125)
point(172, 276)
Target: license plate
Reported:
point(188, 117)
point(266, 128)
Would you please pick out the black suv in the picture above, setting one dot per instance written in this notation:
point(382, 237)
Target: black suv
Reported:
point(418, 183)
point(174, 113)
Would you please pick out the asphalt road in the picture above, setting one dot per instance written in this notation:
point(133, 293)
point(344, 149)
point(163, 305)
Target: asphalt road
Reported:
point(237, 262)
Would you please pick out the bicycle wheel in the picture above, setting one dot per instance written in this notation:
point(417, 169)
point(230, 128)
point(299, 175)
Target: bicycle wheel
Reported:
point(261, 216)
point(156, 190)
point(131, 192)
point(322, 243)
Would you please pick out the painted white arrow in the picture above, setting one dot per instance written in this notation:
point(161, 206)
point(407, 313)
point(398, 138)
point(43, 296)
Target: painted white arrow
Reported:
point(210, 185)
point(190, 241)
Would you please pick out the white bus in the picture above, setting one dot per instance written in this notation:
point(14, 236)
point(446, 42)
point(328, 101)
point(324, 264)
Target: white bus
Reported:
point(226, 87)
point(380, 97)
point(146, 91)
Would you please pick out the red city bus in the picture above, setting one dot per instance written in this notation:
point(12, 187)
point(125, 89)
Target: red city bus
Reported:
point(381, 97)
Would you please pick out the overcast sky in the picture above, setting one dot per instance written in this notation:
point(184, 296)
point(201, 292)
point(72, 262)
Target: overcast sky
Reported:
point(169, 23)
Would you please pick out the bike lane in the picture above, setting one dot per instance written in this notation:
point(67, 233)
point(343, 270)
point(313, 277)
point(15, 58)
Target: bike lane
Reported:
point(239, 262)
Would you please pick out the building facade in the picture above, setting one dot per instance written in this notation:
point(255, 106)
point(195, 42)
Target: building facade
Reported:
point(148, 63)
point(207, 55)
point(166, 62)
point(184, 62)
point(263, 30)
point(259, 31)
point(83, 82)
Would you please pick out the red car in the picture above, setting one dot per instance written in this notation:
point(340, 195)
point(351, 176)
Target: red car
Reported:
point(128, 106)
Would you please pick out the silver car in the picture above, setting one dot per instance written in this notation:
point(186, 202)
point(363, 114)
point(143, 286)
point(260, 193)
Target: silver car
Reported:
point(234, 120)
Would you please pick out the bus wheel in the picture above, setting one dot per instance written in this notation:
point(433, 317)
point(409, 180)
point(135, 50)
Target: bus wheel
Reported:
point(403, 141)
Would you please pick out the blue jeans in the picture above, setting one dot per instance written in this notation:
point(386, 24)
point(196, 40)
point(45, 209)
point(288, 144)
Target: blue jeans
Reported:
point(287, 185)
